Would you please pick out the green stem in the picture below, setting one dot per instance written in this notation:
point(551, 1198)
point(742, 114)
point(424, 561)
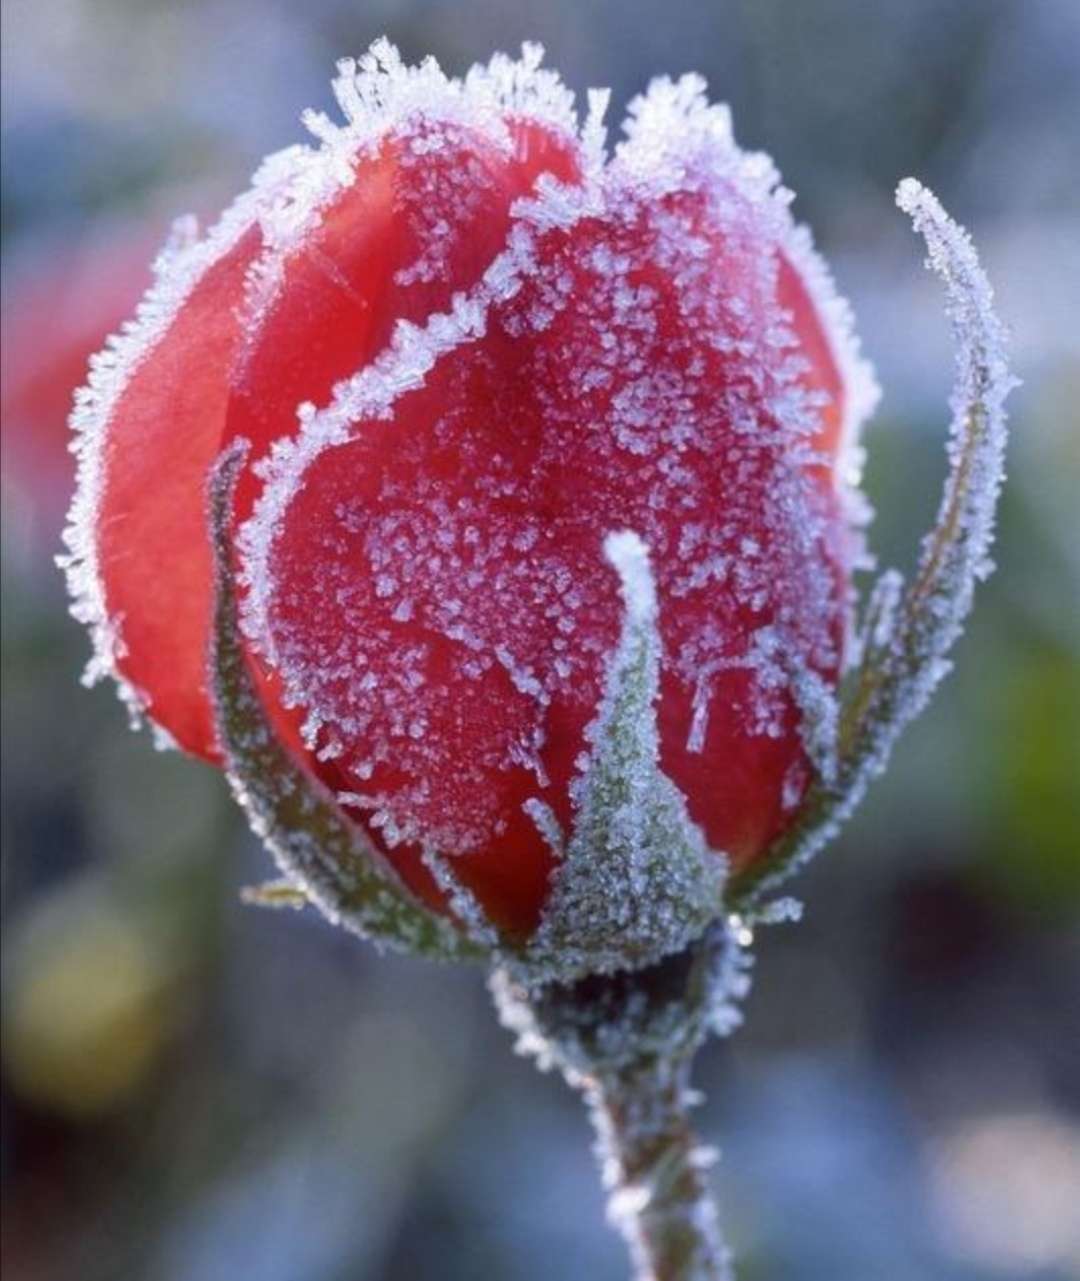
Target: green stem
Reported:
point(656, 1171)
point(626, 1042)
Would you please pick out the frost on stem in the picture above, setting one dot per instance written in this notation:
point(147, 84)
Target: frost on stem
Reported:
point(636, 879)
point(908, 630)
point(320, 853)
point(626, 1041)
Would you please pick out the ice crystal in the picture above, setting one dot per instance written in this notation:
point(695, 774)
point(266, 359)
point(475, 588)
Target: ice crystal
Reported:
point(626, 1042)
point(289, 193)
point(549, 517)
point(421, 567)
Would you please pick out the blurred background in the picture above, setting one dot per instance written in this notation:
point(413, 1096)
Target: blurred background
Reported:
point(195, 1090)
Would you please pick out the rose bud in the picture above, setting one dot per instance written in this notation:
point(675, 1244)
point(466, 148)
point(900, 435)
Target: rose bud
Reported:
point(537, 512)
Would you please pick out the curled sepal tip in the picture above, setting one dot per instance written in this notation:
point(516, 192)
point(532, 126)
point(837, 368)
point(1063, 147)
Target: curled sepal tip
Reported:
point(908, 629)
point(321, 854)
point(636, 880)
point(282, 893)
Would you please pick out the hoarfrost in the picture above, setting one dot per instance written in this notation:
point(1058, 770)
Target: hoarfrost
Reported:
point(380, 96)
point(289, 192)
point(677, 174)
point(182, 263)
point(780, 911)
point(639, 347)
point(371, 393)
point(470, 915)
point(627, 1044)
point(320, 853)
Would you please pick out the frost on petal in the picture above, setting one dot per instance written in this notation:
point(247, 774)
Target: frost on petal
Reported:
point(335, 244)
point(826, 326)
point(424, 213)
point(422, 564)
point(674, 132)
point(322, 855)
point(418, 117)
point(908, 630)
point(148, 425)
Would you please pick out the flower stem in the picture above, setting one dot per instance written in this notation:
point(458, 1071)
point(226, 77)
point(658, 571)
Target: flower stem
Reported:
point(626, 1041)
point(657, 1173)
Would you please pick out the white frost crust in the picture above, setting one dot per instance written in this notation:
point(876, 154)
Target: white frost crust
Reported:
point(671, 130)
point(862, 392)
point(463, 903)
point(674, 125)
point(178, 269)
point(951, 567)
point(380, 95)
point(630, 558)
point(675, 141)
point(370, 393)
point(375, 389)
point(322, 855)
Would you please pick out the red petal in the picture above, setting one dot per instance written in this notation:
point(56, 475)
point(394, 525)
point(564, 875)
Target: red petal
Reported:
point(422, 219)
point(166, 427)
point(419, 223)
point(823, 375)
point(441, 602)
point(153, 554)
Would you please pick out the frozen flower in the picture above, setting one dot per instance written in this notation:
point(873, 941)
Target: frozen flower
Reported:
point(541, 511)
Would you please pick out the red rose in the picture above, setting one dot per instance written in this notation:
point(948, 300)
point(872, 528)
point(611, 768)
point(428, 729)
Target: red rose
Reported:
point(485, 507)
point(465, 349)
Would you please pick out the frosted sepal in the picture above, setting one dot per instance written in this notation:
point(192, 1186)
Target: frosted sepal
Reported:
point(662, 1012)
point(908, 630)
point(320, 853)
point(281, 893)
point(636, 880)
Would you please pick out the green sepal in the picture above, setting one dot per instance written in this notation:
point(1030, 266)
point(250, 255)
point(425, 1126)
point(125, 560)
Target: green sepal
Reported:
point(907, 632)
point(636, 880)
